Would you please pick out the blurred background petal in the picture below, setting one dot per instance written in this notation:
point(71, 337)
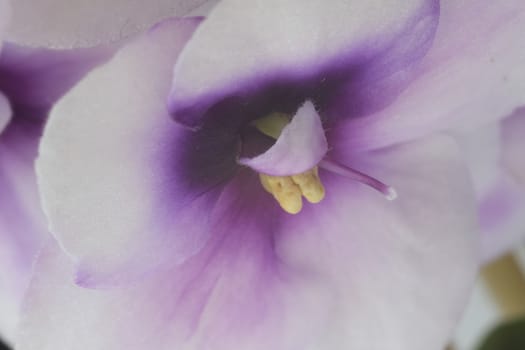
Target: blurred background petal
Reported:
point(81, 23)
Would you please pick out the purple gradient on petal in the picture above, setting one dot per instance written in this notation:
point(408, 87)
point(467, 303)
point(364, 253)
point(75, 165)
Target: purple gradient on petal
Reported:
point(351, 85)
point(22, 223)
point(18, 149)
point(300, 147)
point(31, 80)
point(472, 75)
point(168, 176)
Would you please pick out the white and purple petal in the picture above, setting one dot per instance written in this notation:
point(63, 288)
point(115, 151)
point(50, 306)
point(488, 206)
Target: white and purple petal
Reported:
point(22, 223)
point(289, 52)
point(30, 81)
point(473, 74)
point(268, 280)
point(118, 185)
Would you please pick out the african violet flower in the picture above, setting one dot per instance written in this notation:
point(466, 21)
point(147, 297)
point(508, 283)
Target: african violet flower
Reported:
point(31, 80)
point(157, 190)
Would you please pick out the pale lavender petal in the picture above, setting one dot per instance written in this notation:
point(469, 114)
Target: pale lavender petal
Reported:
point(30, 81)
point(120, 193)
point(83, 23)
point(329, 278)
point(474, 73)
point(252, 54)
point(300, 147)
point(5, 112)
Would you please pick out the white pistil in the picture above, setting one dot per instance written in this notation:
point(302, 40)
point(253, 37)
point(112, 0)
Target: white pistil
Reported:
point(389, 192)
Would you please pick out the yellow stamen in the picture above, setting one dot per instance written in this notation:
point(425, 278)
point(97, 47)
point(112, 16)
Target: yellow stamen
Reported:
point(285, 191)
point(310, 185)
point(289, 190)
point(273, 124)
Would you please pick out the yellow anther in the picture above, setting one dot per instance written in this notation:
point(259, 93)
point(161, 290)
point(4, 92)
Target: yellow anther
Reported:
point(273, 124)
point(289, 190)
point(285, 191)
point(310, 185)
